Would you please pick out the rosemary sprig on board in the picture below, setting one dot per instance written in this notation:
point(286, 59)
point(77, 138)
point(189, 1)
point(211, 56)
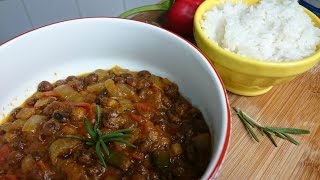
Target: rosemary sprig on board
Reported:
point(270, 132)
point(99, 140)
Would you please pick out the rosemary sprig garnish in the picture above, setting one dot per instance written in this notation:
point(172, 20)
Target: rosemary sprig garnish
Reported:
point(99, 140)
point(283, 133)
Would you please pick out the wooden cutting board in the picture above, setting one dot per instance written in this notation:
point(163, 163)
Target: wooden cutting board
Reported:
point(295, 104)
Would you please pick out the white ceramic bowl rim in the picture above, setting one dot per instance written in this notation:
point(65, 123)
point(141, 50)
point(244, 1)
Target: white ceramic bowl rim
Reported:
point(216, 166)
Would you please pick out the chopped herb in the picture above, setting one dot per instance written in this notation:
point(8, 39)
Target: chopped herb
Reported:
point(99, 140)
point(282, 133)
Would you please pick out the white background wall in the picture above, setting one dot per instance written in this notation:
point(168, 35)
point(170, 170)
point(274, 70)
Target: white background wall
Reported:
point(19, 16)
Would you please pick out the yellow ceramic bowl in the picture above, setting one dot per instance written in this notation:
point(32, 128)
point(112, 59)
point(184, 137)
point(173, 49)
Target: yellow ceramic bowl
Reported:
point(246, 76)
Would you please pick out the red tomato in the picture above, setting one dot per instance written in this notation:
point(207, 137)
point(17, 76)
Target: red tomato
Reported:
point(180, 16)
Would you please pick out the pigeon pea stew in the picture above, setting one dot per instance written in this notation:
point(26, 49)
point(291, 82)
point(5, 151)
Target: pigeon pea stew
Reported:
point(108, 124)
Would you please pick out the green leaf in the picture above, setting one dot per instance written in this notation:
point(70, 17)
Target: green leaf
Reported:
point(123, 130)
point(120, 140)
point(171, 2)
point(243, 118)
point(280, 135)
point(116, 135)
point(271, 138)
point(87, 125)
point(164, 6)
point(99, 139)
point(247, 118)
point(289, 138)
point(251, 132)
point(99, 132)
point(269, 131)
point(247, 124)
point(104, 147)
point(289, 130)
point(100, 155)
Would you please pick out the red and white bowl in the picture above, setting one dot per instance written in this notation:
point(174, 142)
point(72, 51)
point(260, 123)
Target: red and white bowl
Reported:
point(77, 46)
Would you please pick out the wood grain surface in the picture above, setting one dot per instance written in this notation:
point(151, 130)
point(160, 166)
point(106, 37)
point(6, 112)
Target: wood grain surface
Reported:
point(296, 105)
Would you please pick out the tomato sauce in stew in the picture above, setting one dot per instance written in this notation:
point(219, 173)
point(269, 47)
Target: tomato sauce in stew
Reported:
point(166, 137)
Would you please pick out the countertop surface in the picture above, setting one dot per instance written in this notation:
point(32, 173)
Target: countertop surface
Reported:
point(295, 104)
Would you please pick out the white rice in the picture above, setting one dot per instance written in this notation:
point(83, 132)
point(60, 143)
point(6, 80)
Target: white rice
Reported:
point(272, 30)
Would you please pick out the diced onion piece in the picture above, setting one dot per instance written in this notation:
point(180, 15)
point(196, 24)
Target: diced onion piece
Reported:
point(157, 82)
point(10, 136)
point(78, 113)
point(166, 82)
point(125, 104)
point(17, 124)
point(102, 74)
point(68, 93)
point(111, 87)
point(44, 101)
point(40, 95)
point(113, 103)
point(5, 126)
point(118, 71)
point(27, 163)
point(60, 146)
point(25, 113)
point(161, 158)
point(32, 123)
point(96, 87)
point(69, 129)
point(119, 160)
point(120, 90)
point(85, 105)
point(176, 149)
point(125, 90)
